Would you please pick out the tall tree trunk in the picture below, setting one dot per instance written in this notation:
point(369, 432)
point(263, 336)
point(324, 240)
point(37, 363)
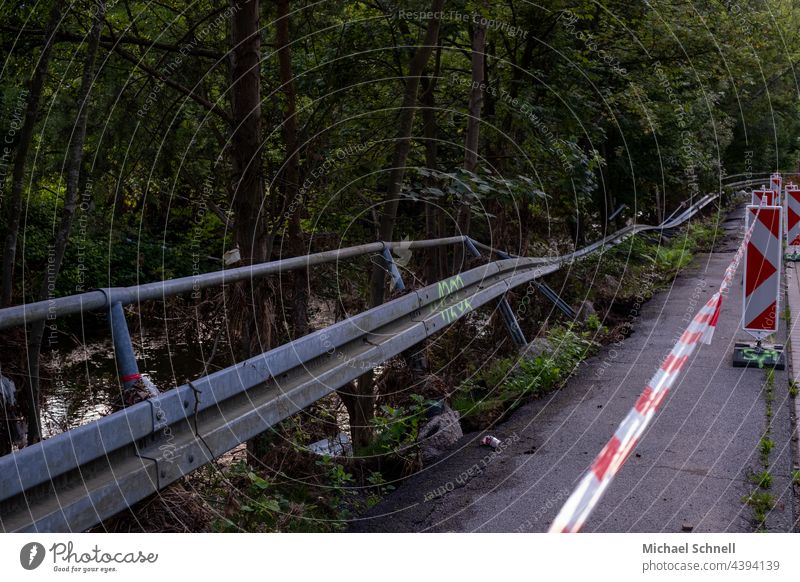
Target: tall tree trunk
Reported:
point(430, 132)
point(511, 126)
point(56, 258)
point(291, 171)
point(473, 129)
point(23, 145)
point(251, 300)
point(364, 398)
point(475, 99)
point(402, 148)
point(248, 185)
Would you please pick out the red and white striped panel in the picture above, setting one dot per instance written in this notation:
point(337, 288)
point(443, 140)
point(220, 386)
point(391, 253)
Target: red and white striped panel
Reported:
point(766, 197)
point(792, 215)
point(591, 487)
point(776, 184)
point(762, 264)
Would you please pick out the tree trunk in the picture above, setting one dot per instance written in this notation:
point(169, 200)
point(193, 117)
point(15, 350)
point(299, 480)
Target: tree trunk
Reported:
point(362, 435)
point(359, 405)
point(473, 131)
point(429, 131)
point(475, 99)
point(291, 171)
point(23, 145)
point(402, 148)
point(251, 300)
point(248, 186)
point(56, 258)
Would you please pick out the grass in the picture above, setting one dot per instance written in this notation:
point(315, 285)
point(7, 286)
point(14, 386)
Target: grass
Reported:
point(762, 479)
point(761, 503)
point(504, 384)
point(248, 501)
point(619, 275)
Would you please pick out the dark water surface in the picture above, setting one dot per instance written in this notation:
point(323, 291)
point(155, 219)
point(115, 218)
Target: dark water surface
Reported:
point(80, 377)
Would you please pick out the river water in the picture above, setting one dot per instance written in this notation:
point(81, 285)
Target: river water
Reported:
point(80, 374)
point(80, 377)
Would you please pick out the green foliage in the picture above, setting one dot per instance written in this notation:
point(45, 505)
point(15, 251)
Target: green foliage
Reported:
point(765, 446)
point(762, 503)
point(378, 488)
point(397, 429)
point(502, 385)
point(593, 323)
point(264, 505)
point(762, 479)
point(672, 259)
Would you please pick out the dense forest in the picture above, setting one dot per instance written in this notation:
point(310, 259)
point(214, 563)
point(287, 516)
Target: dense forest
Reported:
point(150, 140)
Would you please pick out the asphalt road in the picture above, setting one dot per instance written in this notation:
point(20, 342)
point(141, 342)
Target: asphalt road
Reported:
point(688, 473)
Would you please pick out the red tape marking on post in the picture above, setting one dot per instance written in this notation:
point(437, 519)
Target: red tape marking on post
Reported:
point(591, 487)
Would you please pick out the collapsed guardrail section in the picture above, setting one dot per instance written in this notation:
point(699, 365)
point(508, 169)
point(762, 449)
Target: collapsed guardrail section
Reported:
point(77, 479)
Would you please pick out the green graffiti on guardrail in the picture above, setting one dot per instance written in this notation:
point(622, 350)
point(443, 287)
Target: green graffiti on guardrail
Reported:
point(452, 313)
point(445, 288)
point(449, 285)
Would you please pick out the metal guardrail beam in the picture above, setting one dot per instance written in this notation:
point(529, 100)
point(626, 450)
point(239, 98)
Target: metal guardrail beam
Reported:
point(105, 298)
point(756, 177)
point(77, 479)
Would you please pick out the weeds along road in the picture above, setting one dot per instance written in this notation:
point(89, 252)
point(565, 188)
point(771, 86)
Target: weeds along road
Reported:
point(692, 471)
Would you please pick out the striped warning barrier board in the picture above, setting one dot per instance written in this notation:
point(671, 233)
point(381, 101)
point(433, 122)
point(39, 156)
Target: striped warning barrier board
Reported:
point(793, 215)
point(762, 264)
point(607, 464)
point(776, 185)
point(767, 197)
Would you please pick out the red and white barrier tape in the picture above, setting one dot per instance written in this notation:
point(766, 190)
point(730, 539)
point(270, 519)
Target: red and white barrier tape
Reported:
point(590, 490)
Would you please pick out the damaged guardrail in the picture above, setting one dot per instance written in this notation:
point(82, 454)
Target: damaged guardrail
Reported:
point(79, 478)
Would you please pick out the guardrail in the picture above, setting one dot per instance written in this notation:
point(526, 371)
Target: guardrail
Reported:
point(77, 479)
point(751, 180)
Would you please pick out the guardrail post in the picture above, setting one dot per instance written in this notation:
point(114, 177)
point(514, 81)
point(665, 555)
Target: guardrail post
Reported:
point(545, 290)
point(512, 325)
point(471, 247)
point(550, 293)
point(393, 271)
point(123, 347)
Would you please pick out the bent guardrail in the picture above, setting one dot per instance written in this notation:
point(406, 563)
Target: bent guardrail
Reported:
point(79, 478)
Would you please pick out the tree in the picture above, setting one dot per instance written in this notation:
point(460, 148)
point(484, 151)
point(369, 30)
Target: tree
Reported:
point(74, 162)
point(23, 145)
point(402, 146)
point(473, 127)
point(291, 169)
point(252, 305)
point(362, 407)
